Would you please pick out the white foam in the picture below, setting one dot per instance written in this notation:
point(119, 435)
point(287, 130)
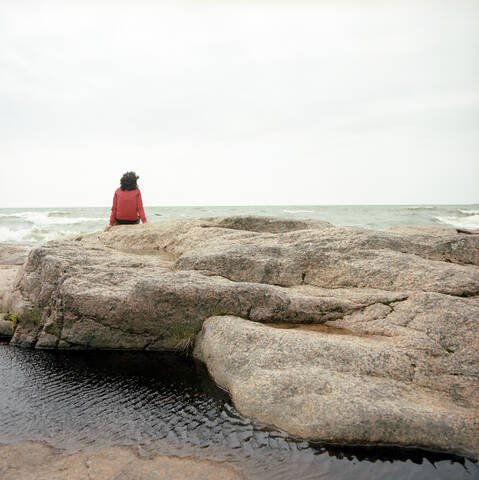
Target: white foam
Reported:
point(7, 235)
point(44, 218)
point(471, 222)
point(31, 235)
point(474, 212)
point(421, 207)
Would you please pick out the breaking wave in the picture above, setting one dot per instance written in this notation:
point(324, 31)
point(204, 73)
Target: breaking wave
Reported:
point(468, 212)
point(469, 222)
point(49, 218)
point(36, 226)
point(31, 235)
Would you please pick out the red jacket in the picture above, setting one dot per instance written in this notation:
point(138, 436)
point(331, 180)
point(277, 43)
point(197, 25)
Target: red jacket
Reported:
point(127, 205)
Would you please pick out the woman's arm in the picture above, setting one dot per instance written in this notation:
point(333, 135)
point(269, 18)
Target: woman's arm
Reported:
point(113, 213)
point(141, 212)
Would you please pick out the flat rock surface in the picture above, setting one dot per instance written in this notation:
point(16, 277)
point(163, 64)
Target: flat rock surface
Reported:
point(403, 370)
point(35, 461)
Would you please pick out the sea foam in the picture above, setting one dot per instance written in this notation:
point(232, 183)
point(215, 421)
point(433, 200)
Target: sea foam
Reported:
point(31, 235)
point(45, 218)
point(469, 222)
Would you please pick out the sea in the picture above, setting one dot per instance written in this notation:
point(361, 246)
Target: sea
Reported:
point(37, 225)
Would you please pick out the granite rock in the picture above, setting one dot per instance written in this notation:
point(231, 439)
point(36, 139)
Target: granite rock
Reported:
point(396, 361)
point(403, 385)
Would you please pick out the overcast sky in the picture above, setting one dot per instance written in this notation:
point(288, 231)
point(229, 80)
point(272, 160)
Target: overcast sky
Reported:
point(236, 102)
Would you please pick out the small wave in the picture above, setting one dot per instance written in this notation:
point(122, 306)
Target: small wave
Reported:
point(7, 235)
point(298, 211)
point(472, 221)
point(58, 213)
point(44, 218)
point(468, 212)
point(421, 207)
point(28, 235)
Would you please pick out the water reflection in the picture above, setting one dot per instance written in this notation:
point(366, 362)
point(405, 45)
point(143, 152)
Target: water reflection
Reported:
point(162, 403)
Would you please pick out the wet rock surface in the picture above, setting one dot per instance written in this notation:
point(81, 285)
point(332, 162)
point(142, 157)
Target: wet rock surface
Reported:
point(35, 461)
point(408, 376)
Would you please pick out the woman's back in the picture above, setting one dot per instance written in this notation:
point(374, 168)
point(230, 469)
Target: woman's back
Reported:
point(129, 205)
point(127, 202)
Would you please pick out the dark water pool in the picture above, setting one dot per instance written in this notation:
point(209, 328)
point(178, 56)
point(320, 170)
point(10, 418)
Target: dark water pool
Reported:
point(162, 403)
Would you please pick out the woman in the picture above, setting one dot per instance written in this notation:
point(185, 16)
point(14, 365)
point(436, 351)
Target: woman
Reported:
point(127, 206)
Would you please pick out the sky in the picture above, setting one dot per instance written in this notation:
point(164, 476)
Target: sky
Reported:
point(239, 102)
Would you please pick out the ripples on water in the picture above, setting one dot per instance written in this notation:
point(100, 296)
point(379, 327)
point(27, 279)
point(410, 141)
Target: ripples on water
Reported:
point(162, 403)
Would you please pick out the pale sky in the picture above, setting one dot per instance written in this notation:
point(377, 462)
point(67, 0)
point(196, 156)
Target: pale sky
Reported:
point(239, 103)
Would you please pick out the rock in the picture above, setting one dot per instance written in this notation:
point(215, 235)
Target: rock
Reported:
point(404, 386)
point(6, 327)
point(406, 302)
point(465, 230)
point(11, 259)
point(35, 461)
point(13, 254)
point(145, 307)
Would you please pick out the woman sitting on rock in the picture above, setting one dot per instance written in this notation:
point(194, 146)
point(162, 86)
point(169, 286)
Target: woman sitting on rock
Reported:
point(127, 206)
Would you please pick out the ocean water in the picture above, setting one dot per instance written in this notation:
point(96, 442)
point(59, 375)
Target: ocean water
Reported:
point(37, 225)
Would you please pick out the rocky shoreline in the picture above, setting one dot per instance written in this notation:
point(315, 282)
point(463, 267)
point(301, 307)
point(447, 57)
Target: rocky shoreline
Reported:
point(396, 362)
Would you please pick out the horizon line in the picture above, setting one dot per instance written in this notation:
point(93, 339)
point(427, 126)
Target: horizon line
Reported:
point(262, 205)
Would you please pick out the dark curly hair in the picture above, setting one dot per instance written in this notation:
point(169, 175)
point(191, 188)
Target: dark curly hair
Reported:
point(128, 181)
